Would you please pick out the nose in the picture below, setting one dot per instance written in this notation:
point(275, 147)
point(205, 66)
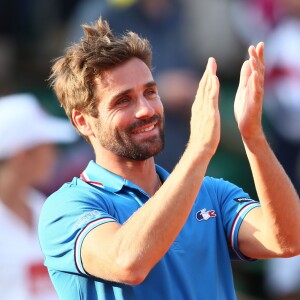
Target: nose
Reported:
point(144, 109)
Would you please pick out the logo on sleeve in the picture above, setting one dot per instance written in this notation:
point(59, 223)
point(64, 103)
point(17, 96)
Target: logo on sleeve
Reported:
point(204, 215)
point(86, 218)
point(242, 199)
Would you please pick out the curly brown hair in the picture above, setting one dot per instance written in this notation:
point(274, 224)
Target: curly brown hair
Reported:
point(73, 75)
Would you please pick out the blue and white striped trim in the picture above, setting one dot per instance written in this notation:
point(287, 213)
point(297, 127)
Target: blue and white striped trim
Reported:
point(85, 178)
point(81, 237)
point(236, 226)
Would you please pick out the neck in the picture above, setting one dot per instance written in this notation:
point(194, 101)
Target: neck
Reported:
point(141, 173)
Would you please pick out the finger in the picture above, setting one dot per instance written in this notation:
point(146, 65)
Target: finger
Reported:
point(257, 58)
point(257, 66)
point(254, 81)
point(257, 85)
point(260, 56)
point(204, 78)
point(213, 65)
point(211, 68)
point(252, 51)
point(260, 51)
point(215, 89)
point(253, 63)
point(213, 81)
point(209, 82)
point(245, 73)
point(257, 53)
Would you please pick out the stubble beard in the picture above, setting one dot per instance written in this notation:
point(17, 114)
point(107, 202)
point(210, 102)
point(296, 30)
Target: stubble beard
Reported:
point(122, 144)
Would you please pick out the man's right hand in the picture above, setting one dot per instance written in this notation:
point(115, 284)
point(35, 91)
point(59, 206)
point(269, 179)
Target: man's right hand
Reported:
point(205, 120)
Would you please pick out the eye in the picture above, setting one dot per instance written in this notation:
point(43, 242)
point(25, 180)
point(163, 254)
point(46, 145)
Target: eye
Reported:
point(150, 92)
point(123, 100)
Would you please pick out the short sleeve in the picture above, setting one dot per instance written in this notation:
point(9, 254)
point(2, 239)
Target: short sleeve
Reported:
point(67, 217)
point(234, 205)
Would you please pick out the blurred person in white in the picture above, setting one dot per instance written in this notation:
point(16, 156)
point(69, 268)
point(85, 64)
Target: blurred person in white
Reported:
point(28, 153)
point(279, 23)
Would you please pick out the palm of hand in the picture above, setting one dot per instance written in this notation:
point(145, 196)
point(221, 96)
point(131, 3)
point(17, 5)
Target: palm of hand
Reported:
point(249, 96)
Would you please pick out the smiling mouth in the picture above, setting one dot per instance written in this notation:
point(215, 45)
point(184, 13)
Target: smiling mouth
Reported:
point(145, 129)
point(144, 126)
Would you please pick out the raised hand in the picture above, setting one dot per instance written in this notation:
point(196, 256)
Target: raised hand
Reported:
point(205, 119)
point(249, 97)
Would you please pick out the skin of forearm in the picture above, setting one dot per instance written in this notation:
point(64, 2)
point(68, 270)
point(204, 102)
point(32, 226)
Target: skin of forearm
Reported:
point(280, 226)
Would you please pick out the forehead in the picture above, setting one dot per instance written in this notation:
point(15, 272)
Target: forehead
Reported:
point(132, 74)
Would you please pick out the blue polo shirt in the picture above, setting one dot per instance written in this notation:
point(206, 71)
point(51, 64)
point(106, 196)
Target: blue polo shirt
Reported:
point(197, 266)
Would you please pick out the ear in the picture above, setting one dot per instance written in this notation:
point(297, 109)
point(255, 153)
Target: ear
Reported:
point(82, 123)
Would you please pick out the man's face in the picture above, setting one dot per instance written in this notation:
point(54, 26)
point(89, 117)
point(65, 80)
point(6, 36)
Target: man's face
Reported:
point(130, 121)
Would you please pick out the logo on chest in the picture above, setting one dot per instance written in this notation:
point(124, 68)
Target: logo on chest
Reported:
point(204, 215)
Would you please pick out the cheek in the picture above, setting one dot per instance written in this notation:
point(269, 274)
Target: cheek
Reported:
point(119, 120)
point(107, 124)
point(159, 107)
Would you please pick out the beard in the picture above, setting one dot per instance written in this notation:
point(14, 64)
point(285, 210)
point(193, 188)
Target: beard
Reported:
point(122, 144)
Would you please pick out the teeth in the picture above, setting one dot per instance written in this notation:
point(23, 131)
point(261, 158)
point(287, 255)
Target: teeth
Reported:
point(146, 129)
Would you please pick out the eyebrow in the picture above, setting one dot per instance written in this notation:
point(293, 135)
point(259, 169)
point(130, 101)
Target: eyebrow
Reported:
point(147, 85)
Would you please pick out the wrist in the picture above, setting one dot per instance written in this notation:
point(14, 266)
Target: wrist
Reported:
point(202, 155)
point(253, 143)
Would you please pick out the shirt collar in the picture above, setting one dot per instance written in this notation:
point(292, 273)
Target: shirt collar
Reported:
point(96, 175)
